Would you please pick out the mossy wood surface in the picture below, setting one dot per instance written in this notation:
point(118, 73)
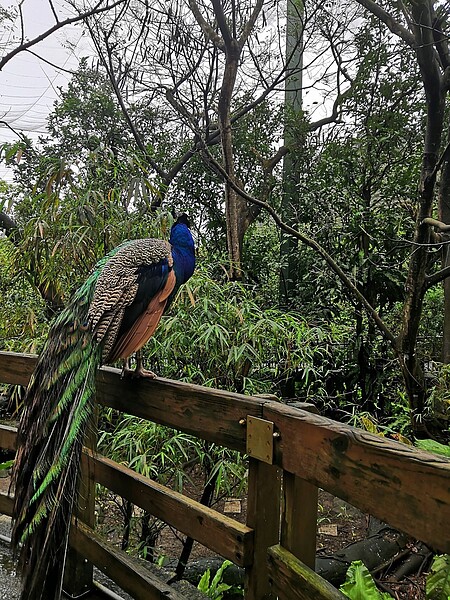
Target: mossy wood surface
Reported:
point(8, 437)
point(299, 518)
point(293, 580)
point(210, 414)
point(6, 504)
point(263, 515)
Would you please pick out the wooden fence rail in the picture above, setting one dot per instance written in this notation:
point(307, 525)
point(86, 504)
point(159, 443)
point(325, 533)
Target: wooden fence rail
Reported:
point(291, 454)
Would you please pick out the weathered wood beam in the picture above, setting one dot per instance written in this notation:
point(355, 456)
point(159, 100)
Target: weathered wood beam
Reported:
point(8, 436)
point(207, 413)
point(263, 515)
point(220, 533)
point(16, 368)
point(6, 504)
point(213, 415)
point(394, 482)
point(299, 518)
point(399, 484)
point(135, 579)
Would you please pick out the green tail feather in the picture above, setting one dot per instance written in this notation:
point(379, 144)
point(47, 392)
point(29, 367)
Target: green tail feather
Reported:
point(81, 410)
point(57, 407)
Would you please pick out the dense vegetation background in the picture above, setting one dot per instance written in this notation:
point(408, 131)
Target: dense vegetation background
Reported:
point(319, 214)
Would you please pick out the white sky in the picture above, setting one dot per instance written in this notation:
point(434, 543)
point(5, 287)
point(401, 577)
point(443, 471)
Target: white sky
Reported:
point(29, 86)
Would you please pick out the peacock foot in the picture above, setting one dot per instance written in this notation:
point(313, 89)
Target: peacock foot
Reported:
point(138, 371)
point(142, 372)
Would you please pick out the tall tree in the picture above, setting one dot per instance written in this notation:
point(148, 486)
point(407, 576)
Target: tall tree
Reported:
point(420, 27)
point(289, 282)
point(233, 36)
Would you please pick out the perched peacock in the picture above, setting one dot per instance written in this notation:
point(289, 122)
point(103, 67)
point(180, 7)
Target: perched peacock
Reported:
point(113, 314)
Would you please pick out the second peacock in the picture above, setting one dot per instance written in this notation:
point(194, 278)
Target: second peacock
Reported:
point(111, 316)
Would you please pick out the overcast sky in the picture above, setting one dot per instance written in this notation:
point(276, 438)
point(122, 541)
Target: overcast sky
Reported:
point(29, 86)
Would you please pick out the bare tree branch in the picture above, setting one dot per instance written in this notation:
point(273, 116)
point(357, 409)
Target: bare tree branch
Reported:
point(55, 66)
point(248, 27)
point(222, 23)
point(332, 118)
point(111, 72)
point(444, 156)
point(440, 40)
point(435, 223)
point(206, 27)
point(437, 277)
point(58, 25)
point(387, 333)
point(390, 21)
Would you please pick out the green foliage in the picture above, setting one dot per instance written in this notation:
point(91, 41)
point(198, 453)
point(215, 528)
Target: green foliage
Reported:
point(150, 449)
point(439, 400)
point(219, 336)
point(23, 322)
point(170, 457)
point(430, 330)
point(215, 589)
point(434, 447)
point(261, 261)
point(438, 581)
point(356, 195)
point(6, 465)
point(85, 191)
point(63, 236)
point(359, 584)
point(164, 454)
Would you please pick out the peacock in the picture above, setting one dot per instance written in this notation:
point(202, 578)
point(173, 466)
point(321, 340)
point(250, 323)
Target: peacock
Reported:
point(112, 315)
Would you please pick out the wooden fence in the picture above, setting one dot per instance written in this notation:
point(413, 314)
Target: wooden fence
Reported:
point(291, 454)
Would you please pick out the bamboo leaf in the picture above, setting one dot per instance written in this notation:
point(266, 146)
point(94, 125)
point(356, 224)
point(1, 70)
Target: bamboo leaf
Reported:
point(359, 584)
point(434, 447)
point(438, 582)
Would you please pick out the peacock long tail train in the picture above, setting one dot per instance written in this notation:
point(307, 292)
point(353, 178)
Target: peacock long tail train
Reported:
point(57, 404)
point(112, 315)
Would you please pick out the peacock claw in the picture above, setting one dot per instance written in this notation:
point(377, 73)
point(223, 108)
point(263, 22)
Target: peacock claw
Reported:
point(139, 371)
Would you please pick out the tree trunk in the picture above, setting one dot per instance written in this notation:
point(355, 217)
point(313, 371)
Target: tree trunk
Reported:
point(415, 292)
point(289, 276)
point(444, 215)
point(416, 280)
point(231, 198)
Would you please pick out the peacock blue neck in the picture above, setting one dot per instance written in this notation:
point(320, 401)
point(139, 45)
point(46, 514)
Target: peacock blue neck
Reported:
point(183, 252)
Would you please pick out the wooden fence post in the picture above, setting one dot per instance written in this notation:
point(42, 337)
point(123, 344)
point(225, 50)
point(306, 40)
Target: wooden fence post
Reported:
point(78, 574)
point(263, 515)
point(299, 518)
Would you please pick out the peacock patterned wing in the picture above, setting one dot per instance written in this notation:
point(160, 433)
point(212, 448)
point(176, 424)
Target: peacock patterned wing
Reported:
point(132, 339)
point(133, 277)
